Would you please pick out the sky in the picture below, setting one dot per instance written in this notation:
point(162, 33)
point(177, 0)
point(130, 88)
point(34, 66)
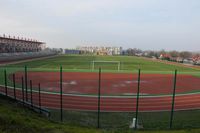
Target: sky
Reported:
point(144, 24)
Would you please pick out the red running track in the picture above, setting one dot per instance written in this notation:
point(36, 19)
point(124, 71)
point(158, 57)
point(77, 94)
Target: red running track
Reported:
point(112, 104)
point(112, 83)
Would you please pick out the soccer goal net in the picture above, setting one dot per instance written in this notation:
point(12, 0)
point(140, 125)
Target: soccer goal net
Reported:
point(106, 65)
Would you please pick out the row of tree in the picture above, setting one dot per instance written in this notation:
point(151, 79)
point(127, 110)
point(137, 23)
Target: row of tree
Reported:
point(157, 54)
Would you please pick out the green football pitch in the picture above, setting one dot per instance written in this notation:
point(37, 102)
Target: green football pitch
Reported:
point(84, 63)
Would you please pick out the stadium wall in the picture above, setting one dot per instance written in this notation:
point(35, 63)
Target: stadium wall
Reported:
point(9, 57)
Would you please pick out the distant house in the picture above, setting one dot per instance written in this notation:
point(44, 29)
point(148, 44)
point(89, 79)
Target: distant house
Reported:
point(165, 57)
point(196, 59)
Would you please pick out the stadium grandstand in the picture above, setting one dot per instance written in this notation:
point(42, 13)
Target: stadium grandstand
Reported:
point(10, 44)
point(16, 48)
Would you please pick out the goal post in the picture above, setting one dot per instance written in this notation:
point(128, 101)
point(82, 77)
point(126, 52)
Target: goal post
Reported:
point(118, 63)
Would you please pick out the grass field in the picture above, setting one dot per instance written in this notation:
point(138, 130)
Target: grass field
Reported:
point(82, 63)
point(76, 62)
point(14, 118)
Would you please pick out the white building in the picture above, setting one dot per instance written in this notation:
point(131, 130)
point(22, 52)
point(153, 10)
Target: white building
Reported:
point(101, 50)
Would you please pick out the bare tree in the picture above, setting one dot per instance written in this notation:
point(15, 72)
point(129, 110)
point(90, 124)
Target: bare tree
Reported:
point(185, 54)
point(174, 53)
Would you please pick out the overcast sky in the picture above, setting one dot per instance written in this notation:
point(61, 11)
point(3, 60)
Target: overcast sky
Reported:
point(144, 24)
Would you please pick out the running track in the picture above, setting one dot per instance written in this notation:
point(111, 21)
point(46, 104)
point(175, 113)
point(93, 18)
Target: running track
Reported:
point(112, 104)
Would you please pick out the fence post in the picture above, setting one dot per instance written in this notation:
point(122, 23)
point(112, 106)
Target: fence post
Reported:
point(31, 93)
point(5, 77)
point(173, 99)
point(61, 93)
point(39, 97)
point(23, 90)
point(99, 99)
point(26, 83)
point(137, 102)
point(14, 88)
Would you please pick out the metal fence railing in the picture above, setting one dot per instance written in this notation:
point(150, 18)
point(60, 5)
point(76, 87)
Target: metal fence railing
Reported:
point(107, 100)
point(14, 84)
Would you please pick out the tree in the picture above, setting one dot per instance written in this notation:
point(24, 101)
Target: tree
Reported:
point(162, 52)
point(174, 53)
point(185, 54)
point(133, 51)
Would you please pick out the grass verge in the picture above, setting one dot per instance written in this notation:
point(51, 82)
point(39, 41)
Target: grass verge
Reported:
point(14, 118)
